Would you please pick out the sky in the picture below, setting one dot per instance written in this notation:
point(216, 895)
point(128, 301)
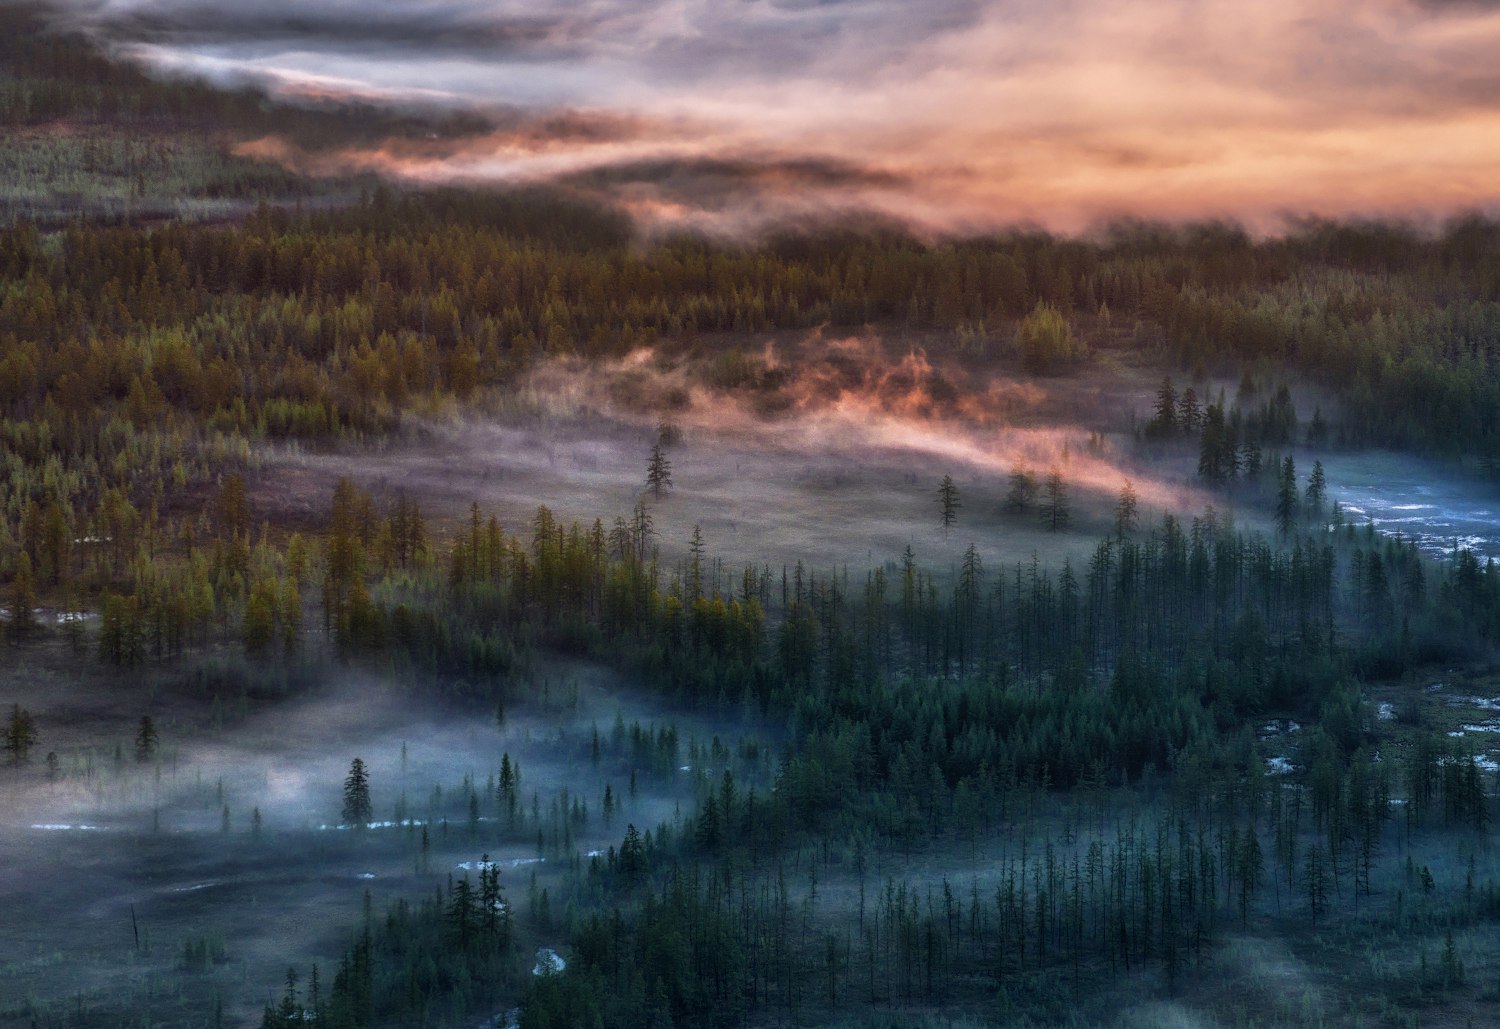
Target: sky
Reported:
point(955, 115)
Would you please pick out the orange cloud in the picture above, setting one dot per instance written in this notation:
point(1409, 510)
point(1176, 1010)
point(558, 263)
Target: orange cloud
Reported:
point(954, 115)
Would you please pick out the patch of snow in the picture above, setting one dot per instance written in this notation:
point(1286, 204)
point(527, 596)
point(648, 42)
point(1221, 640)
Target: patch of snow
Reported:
point(1484, 762)
point(484, 866)
point(1279, 766)
point(1386, 712)
point(65, 827)
point(548, 962)
point(365, 875)
point(346, 826)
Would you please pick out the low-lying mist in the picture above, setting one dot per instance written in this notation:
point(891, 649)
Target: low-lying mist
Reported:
point(824, 451)
point(234, 830)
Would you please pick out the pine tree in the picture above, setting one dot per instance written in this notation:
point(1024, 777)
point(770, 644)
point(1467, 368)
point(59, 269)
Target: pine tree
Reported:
point(948, 502)
point(357, 808)
point(658, 471)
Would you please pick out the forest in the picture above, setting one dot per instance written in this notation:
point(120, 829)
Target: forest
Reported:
point(1067, 751)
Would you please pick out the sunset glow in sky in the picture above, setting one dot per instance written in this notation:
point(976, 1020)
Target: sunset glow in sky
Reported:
point(954, 114)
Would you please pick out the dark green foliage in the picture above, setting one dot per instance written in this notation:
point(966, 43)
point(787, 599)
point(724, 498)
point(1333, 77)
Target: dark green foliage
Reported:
point(357, 809)
point(1164, 423)
point(1287, 506)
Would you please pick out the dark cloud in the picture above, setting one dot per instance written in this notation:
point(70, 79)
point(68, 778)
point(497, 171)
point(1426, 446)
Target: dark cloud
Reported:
point(434, 28)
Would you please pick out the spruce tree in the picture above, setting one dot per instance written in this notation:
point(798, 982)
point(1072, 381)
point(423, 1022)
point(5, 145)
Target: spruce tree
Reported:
point(1126, 510)
point(145, 739)
point(948, 502)
point(1054, 509)
point(357, 808)
point(658, 471)
point(1164, 424)
point(1022, 490)
point(1286, 497)
point(1317, 488)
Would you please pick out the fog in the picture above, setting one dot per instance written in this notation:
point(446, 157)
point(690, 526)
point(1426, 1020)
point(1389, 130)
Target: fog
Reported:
point(955, 114)
point(116, 862)
point(831, 454)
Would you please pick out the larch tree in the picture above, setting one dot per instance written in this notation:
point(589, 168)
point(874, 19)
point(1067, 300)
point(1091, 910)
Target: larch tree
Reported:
point(20, 734)
point(23, 597)
point(1046, 340)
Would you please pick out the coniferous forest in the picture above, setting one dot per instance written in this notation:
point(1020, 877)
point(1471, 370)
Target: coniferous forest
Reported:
point(453, 606)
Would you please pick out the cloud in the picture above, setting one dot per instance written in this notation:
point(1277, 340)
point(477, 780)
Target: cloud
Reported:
point(331, 27)
point(954, 114)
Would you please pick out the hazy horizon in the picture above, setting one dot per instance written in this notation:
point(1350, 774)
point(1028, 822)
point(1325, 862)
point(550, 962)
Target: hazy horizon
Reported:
point(957, 115)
